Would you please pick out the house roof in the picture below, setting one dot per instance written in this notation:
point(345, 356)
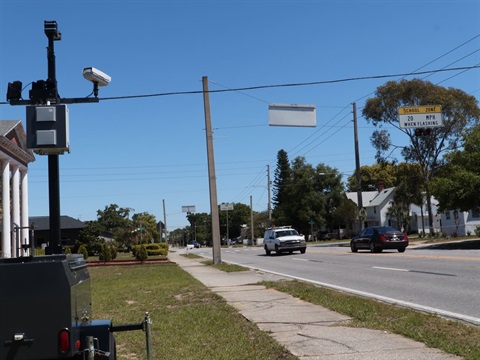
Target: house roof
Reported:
point(371, 198)
point(367, 197)
point(13, 141)
point(66, 222)
point(381, 197)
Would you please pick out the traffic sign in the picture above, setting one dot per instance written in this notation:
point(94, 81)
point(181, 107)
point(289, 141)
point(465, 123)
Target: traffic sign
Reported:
point(362, 213)
point(427, 116)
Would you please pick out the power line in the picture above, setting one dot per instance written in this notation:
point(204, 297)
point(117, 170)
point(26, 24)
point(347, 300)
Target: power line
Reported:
point(293, 84)
point(249, 88)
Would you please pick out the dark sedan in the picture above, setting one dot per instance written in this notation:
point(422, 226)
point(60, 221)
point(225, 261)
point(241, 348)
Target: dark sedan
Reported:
point(378, 238)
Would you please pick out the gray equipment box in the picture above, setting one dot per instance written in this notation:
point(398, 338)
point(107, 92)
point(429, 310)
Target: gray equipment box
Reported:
point(45, 308)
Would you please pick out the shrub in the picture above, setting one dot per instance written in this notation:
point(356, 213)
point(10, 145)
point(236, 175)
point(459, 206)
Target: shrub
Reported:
point(156, 249)
point(67, 250)
point(83, 250)
point(477, 230)
point(141, 253)
point(105, 253)
point(113, 251)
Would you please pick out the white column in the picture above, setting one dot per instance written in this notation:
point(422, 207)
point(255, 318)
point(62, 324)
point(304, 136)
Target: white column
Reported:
point(24, 209)
point(15, 210)
point(6, 238)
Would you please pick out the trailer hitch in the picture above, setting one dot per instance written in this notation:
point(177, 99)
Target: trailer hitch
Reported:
point(145, 325)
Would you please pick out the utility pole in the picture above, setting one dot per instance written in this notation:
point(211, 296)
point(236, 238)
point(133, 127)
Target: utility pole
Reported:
point(357, 165)
point(269, 200)
point(164, 221)
point(251, 221)
point(212, 180)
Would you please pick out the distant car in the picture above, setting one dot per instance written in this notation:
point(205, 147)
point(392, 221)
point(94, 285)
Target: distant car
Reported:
point(378, 238)
point(323, 235)
point(193, 245)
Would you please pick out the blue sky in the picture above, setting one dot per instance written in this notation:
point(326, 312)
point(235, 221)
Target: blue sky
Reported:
point(140, 152)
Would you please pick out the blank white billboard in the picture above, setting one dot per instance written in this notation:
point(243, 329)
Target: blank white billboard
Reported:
point(292, 115)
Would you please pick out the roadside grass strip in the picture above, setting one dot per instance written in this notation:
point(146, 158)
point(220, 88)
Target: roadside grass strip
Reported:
point(188, 320)
point(450, 336)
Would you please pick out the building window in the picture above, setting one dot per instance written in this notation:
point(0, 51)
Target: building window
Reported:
point(447, 215)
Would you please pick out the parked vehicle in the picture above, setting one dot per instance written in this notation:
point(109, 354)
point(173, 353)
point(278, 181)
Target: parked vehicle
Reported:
point(283, 239)
point(378, 238)
point(323, 235)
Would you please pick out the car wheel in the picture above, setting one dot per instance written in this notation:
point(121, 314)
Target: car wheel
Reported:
point(374, 249)
point(401, 249)
point(302, 251)
point(353, 247)
point(276, 250)
point(267, 252)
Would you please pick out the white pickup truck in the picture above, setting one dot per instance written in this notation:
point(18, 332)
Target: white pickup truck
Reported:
point(283, 239)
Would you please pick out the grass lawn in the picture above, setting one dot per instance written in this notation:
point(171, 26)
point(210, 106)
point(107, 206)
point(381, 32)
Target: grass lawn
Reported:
point(189, 321)
point(451, 336)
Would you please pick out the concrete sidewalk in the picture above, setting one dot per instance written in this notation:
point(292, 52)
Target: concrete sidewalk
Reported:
point(308, 331)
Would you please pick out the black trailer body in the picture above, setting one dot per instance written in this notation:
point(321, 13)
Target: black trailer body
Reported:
point(45, 310)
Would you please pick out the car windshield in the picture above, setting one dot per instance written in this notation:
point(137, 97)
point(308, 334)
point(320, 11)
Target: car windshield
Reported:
point(286, 233)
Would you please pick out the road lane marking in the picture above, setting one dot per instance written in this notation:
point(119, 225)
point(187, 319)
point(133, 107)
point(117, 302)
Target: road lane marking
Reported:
point(418, 307)
point(393, 269)
point(413, 271)
point(403, 255)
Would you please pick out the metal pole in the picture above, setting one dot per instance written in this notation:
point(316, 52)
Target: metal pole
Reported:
point(216, 246)
point(53, 161)
point(54, 206)
point(148, 335)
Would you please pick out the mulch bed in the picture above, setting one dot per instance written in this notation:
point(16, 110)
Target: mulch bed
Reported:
point(125, 262)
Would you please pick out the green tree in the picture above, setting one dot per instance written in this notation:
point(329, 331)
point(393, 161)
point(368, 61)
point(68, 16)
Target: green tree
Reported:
point(89, 237)
point(371, 175)
point(200, 227)
point(304, 203)
point(113, 217)
point(145, 228)
point(330, 190)
point(345, 214)
point(457, 185)
point(281, 183)
point(240, 215)
point(459, 111)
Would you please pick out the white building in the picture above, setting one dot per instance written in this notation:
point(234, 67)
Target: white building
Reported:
point(15, 158)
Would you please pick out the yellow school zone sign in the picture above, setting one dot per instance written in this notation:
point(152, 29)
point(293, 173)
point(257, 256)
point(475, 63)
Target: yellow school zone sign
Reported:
point(426, 116)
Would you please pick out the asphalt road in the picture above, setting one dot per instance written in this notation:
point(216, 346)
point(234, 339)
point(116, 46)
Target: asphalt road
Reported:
point(442, 281)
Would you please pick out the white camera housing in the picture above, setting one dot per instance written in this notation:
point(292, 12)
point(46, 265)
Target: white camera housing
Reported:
point(96, 76)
